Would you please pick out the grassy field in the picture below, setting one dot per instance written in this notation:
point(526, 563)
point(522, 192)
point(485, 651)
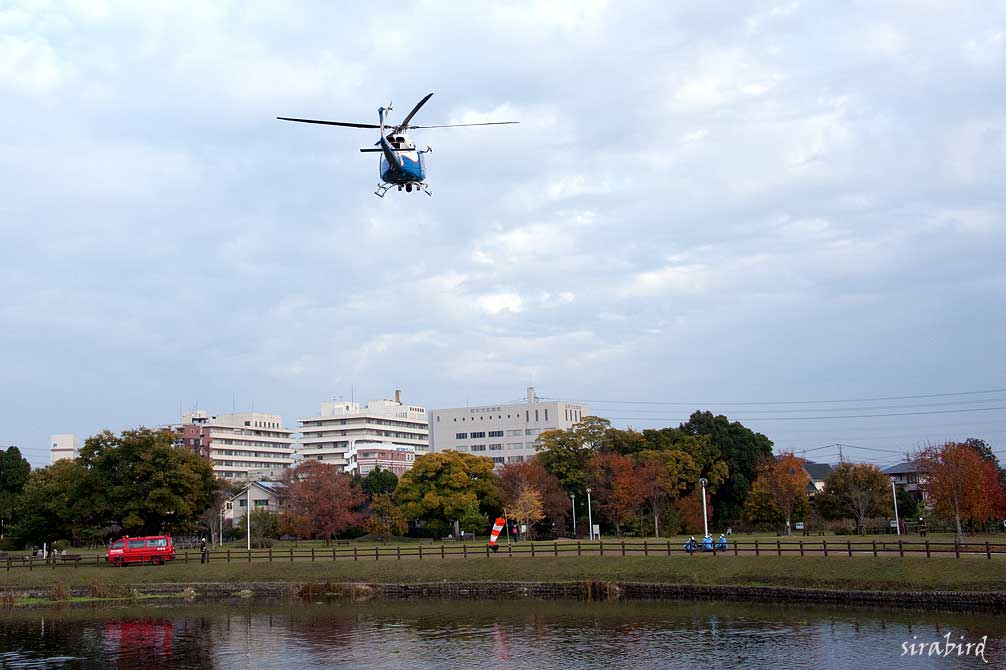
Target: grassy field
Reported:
point(858, 572)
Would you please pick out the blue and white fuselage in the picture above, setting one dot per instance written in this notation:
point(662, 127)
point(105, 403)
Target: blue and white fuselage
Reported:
point(401, 163)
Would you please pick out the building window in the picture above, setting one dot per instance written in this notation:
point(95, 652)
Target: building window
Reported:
point(498, 459)
point(495, 433)
point(531, 431)
point(478, 435)
point(514, 445)
point(461, 436)
point(546, 415)
point(536, 416)
point(261, 503)
point(495, 447)
point(478, 447)
point(242, 503)
point(515, 459)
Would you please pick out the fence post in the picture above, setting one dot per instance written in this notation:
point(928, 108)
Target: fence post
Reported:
point(377, 553)
point(509, 550)
point(735, 548)
point(646, 549)
point(957, 549)
point(623, 547)
point(229, 555)
point(442, 550)
point(901, 549)
point(464, 551)
point(801, 548)
point(928, 555)
point(185, 555)
point(487, 550)
point(988, 550)
point(335, 553)
point(270, 554)
point(532, 549)
point(874, 548)
point(249, 555)
point(312, 554)
point(757, 550)
point(420, 549)
point(668, 547)
point(291, 554)
point(555, 547)
point(578, 549)
point(399, 552)
point(824, 543)
point(356, 553)
point(778, 548)
point(600, 544)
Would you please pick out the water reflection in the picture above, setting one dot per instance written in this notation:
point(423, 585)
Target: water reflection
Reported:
point(510, 635)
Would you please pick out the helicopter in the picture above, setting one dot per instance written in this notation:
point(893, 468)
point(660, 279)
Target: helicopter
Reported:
point(402, 165)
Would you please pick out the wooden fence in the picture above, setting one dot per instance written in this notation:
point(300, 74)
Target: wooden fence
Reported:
point(616, 548)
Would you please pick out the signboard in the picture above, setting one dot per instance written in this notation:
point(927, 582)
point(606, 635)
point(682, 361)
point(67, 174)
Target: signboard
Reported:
point(799, 525)
point(894, 524)
point(597, 530)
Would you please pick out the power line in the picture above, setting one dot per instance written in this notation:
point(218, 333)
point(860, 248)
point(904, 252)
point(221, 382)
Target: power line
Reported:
point(811, 418)
point(790, 402)
point(857, 409)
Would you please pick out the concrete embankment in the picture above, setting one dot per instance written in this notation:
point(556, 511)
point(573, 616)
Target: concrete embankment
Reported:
point(985, 601)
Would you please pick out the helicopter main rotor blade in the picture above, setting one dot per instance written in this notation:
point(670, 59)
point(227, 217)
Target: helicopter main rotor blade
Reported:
point(463, 125)
point(344, 124)
point(405, 122)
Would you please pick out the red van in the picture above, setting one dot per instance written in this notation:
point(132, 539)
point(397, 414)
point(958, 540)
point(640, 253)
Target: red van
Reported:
point(155, 549)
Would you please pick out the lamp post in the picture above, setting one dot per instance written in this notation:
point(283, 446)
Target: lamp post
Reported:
point(894, 494)
point(705, 520)
point(572, 496)
point(248, 516)
point(590, 516)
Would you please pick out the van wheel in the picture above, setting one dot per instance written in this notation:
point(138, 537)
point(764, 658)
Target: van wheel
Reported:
point(156, 560)
point(117, 563)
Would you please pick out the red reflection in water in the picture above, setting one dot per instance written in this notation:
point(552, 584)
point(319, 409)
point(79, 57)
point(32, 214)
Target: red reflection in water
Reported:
point(136, 643)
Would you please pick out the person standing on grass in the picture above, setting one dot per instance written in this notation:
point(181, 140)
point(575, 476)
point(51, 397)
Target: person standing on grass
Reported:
point(204, 553)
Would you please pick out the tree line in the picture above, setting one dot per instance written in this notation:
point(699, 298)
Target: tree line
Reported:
point(640, 482)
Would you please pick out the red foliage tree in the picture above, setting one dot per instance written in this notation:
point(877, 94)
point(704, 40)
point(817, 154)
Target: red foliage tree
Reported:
point(321, 502)
point(555, 502)
point(960, 484)
point(690, 510)
point(617, 487)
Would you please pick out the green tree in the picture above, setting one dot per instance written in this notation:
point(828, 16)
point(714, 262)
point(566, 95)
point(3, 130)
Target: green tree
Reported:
point(384, 520)
point(379, 482)
point(472, 520)
point(14, 471)
point(567, 453)
point(142, 483)
point(265, 524)
point(440, 486)
point(47, 508)
point(740, 448)
point(908, 506)
point(856, 491)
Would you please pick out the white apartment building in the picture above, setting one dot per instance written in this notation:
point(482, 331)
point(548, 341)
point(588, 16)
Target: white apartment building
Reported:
point(346, 433)
point(62, 447)
point(505, 433)
point(244, 445)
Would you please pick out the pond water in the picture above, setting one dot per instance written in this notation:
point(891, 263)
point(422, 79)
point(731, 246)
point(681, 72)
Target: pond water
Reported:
point(488, 634)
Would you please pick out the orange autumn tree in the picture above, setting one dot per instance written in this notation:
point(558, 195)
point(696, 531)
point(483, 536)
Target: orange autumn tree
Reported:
point(780, 491)
point(960, 484)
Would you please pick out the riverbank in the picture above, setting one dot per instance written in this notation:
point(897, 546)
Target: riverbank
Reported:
point(764, 577)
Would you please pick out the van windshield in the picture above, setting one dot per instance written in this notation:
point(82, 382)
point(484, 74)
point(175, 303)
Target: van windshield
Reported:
point(119, 545)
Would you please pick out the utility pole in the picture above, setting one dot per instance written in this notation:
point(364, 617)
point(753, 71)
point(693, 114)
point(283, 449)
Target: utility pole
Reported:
point(573, 498)
point(897, 521)
point(248, 515)
point(705, 520)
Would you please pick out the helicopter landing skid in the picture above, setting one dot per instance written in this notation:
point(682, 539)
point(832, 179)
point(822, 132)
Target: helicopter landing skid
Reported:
point(382, 189)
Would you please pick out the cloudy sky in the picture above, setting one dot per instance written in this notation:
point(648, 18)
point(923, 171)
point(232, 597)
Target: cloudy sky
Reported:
point(706, 205)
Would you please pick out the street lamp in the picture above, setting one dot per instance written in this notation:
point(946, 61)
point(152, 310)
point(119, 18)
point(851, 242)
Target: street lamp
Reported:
point(590, 516)
point(894, 493)
point(705, 520)
point(572, 497)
